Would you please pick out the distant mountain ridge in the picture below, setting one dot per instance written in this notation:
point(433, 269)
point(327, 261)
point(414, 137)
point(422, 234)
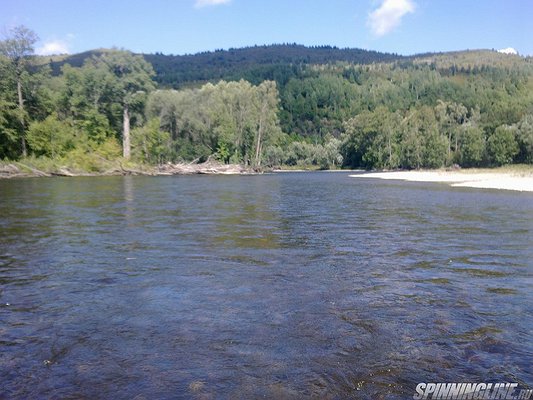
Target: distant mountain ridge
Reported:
point(245, 61)
point(179, 70)
point(277, 62)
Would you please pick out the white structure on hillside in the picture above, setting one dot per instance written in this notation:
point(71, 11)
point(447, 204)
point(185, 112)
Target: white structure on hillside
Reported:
point(508, 50)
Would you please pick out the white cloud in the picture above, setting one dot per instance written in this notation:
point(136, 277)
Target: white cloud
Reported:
point(53, 47)
point(389, 15)
point(204, 3)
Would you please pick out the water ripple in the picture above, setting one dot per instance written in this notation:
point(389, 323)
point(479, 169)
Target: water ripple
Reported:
point(279, 286)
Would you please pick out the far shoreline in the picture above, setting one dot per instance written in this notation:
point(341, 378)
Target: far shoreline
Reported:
point(15, 170)
point(516, 177)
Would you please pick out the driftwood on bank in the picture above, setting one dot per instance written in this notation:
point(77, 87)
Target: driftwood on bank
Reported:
point(209, 167)
point(9, 171)
point(63, 172)
point(13, 171)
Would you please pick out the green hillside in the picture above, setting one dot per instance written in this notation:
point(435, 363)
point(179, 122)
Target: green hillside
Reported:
point(257, 63)
point(271, 105)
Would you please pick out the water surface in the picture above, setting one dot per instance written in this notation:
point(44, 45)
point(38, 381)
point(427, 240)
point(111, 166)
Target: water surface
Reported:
point(295, 285)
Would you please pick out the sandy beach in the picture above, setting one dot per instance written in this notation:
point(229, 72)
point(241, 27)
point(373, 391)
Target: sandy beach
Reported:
point(484, 179)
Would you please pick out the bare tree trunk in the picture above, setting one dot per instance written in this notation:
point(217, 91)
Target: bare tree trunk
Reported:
point(390, 151)
point(126, 145)
point(22, 123)
point(449, 146)
point(258, 145)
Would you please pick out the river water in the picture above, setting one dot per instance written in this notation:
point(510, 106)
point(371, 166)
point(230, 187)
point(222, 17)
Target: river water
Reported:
point(293, 285)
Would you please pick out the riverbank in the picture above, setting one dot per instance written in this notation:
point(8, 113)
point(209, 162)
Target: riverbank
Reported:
point(28, 170)
point(517, 178)
point(514, 177)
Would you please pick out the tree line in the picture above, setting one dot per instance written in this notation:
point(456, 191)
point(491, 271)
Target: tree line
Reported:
point(470, 108)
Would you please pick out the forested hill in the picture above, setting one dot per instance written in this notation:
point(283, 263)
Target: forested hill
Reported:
point(267, 105)
point(281, 62)
point(255, 64)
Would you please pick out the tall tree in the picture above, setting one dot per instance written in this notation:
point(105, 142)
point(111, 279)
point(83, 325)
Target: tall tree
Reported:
point(132, 80)
point(18, 49)
point(267, 124)
point(452, 116)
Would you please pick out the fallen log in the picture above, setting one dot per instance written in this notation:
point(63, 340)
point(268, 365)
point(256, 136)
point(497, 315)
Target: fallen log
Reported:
point(63, 172)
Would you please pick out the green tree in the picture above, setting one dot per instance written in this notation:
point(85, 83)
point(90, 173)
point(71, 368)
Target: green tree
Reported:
point(412, 150)
point(524, 135)
point(232, 120)
point(87, 97)
point(267, 129)
point(150, 144)
point(422, 144)
point(451, 116)
point(132, 79)
point(502, 146)
point(9, 113)
point(51, 137)
point(357, 138)
point(472, 147)
point(17, 48)
point(332, 153)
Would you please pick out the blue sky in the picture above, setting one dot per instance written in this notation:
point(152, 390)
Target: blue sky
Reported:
point(190, 26)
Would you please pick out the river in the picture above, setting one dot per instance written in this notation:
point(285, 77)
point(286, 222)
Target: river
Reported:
point(293, 285)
